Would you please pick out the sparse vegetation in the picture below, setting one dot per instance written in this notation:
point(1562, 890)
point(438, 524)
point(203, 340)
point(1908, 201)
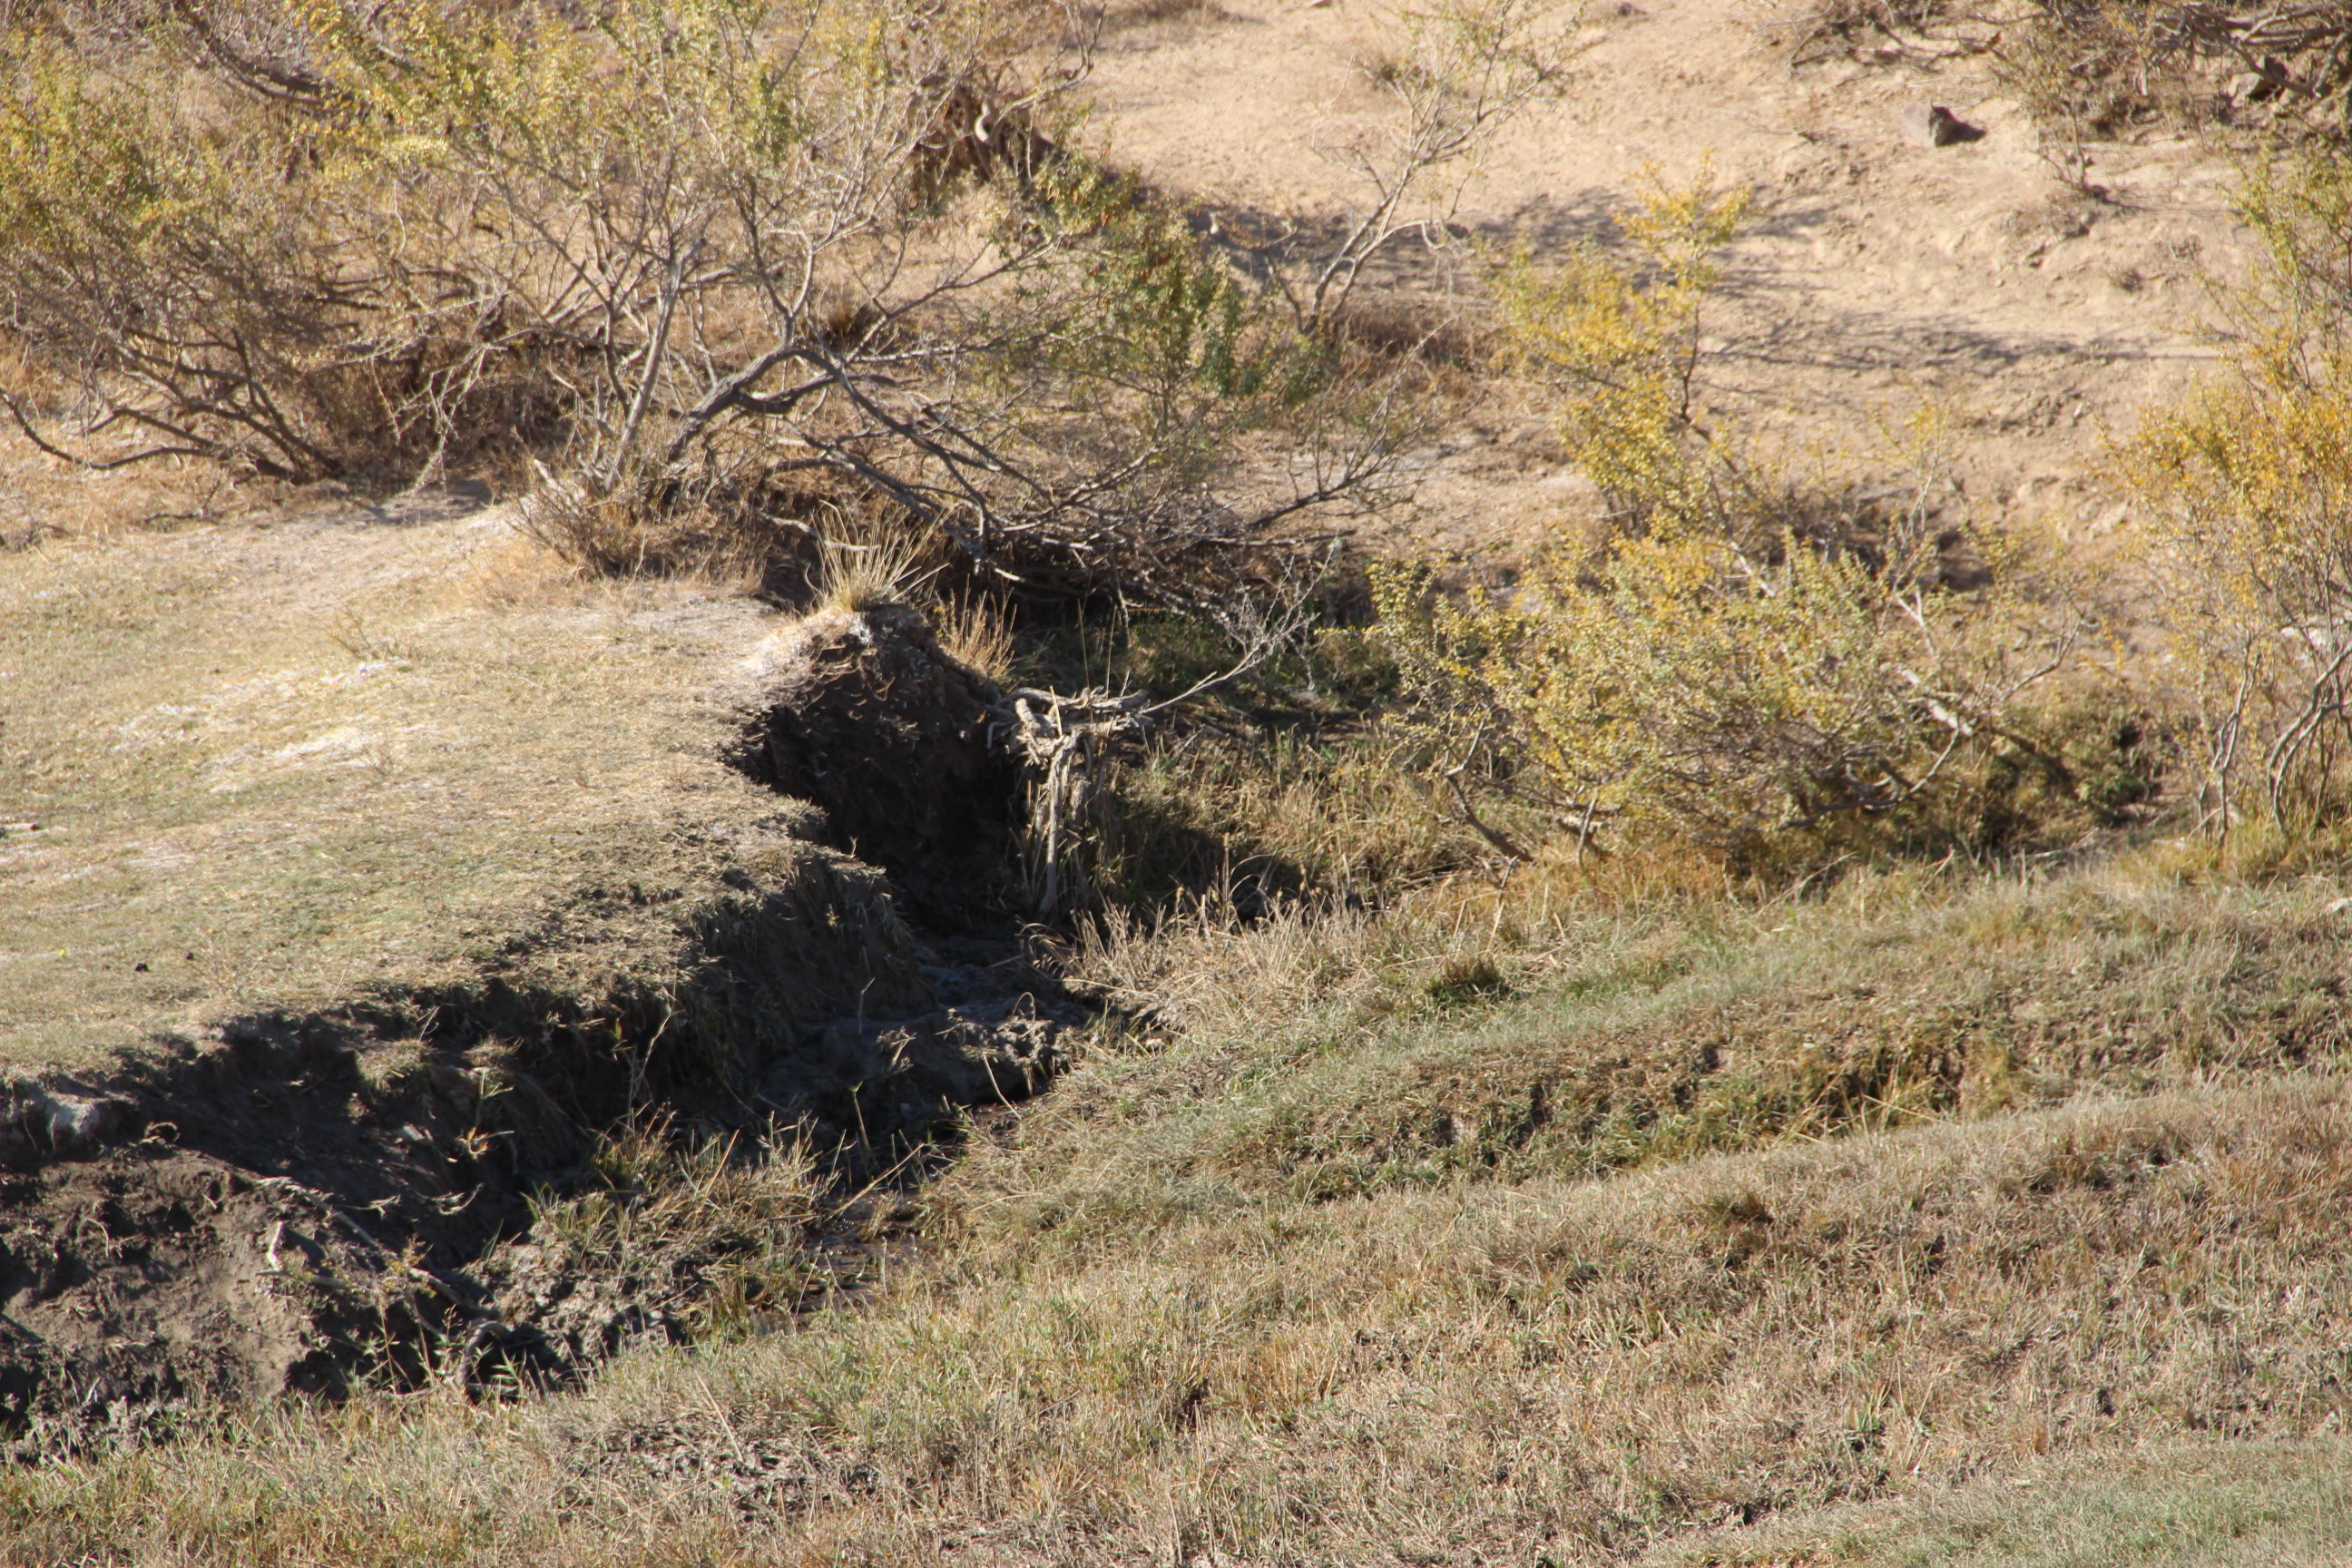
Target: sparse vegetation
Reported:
point(345, 812)
point(2102, 70)
point(721, 1232)
point(1726, 659)
point(697, 258)
point(2248, 485)
point(1743, 1026)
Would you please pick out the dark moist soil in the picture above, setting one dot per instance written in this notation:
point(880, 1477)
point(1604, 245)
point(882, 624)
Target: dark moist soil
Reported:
point(298, 1204)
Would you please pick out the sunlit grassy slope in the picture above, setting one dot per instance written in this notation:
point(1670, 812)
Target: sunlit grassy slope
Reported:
point(1283, 1289)
point(2178, 1505)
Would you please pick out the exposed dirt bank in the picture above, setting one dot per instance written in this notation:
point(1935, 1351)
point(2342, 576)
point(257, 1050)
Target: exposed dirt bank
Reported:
point(286, 1201)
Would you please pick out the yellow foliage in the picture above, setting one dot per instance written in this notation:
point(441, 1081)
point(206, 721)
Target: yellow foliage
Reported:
point(1622, 342)
point(1725, 669)
point(1684, 686)
point(2249, 494)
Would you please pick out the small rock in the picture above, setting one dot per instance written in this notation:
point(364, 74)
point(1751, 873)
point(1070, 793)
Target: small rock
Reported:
point(1932, 125)
point(2261, 85)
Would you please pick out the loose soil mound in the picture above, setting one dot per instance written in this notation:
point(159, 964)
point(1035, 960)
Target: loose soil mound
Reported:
point(138, 1283)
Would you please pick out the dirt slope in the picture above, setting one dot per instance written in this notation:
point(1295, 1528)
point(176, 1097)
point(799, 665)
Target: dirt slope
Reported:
point(1878, 276)
point(359, 872)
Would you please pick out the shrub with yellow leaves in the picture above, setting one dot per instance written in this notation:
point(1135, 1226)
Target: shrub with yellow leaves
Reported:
point(2249, 489)
point(1727, 666)
point(1620, 343)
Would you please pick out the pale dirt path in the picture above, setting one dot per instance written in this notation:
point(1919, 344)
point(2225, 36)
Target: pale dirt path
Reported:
point(1878, 274)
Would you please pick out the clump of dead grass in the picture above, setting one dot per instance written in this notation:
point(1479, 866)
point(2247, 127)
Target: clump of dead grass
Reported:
point(716, 1232)
point(859, 574)
point(976, 635)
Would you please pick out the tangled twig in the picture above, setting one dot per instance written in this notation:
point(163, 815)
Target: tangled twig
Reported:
point(1062, 741)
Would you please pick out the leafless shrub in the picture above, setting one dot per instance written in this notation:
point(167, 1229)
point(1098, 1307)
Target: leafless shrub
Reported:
point(1462, 70)
point(684, 255)
point(2097, 67)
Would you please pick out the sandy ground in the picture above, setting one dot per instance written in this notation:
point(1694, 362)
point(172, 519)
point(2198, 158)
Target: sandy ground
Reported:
point(1878, 276)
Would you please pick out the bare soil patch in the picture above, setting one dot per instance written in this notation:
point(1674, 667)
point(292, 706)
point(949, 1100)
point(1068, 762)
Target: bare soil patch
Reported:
point(1881, 276)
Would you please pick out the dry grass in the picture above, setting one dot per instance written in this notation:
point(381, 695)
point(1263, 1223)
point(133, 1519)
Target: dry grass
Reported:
point(2213, 1505)
point(1228, 827)
point(1655, 1021)
point(976, 636)
point(1598, 1214)
point(283, 767)
point(1919, 1219)
point(869, 567)
point(42, 501)
point(712, 1233)
point(1280, 1291)
point(1558, 1370)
